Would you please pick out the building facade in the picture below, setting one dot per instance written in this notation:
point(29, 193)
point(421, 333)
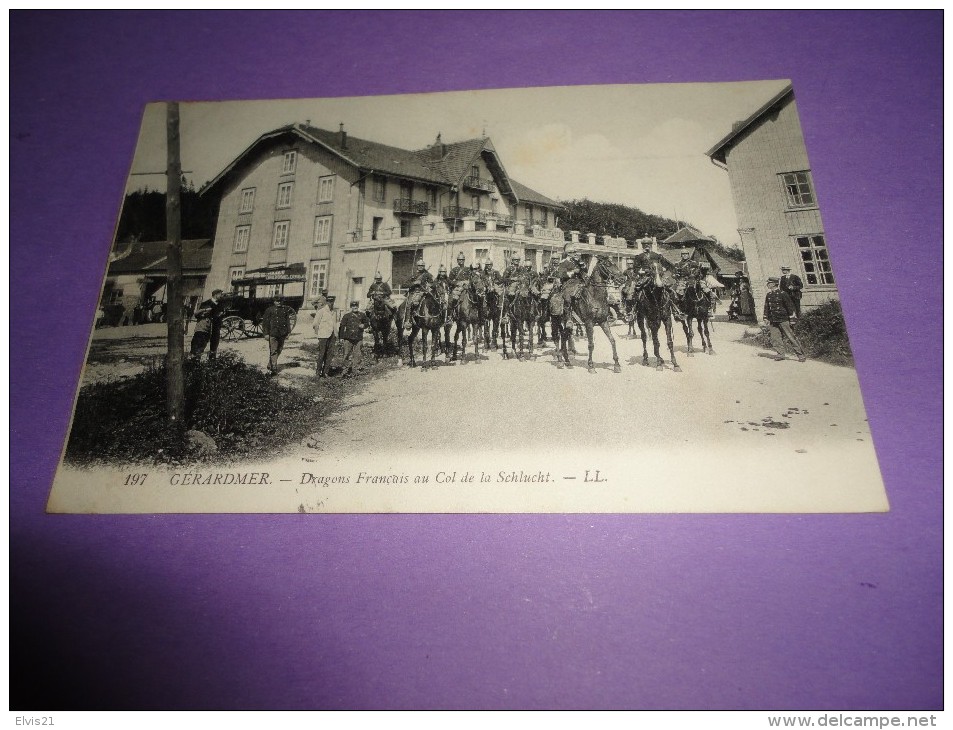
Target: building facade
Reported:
point(779, 220)
point(347, 208)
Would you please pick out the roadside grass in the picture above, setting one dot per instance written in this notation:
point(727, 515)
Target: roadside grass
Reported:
point(246, 412)
point(822, 333)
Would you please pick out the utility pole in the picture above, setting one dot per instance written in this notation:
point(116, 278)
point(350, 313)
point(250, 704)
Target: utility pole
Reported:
point(175, 388)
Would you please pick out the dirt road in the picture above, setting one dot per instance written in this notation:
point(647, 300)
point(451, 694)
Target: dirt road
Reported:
point(732, 431)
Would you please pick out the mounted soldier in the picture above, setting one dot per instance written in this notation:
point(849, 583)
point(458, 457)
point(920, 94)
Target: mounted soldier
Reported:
point(380, 289)
point(686, 271)
point(654, 263)
point(421, 282)
point(513, 274)
point(491, 276)
point(569, 275)
point(459, 281)
point(531, 278)
point(709, 283)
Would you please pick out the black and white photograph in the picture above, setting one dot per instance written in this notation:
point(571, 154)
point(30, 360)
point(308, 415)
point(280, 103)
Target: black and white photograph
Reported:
point(567, 299)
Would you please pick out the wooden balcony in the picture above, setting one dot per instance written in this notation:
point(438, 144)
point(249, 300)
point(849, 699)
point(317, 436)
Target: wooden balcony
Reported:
point(411, 207)
point(479, 183)
point(456, 212)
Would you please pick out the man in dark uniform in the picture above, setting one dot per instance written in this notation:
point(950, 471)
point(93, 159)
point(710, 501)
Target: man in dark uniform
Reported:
point(792, 285)
point(686, 272)
point(513, 274)
point(490, 275)
point(531, 277)
point(778, 314)
point(351, 334)
point(381, 289)
point(276, 326)
point(422, 281)
point(460, 281)
point(569, 274)
point(208, 326)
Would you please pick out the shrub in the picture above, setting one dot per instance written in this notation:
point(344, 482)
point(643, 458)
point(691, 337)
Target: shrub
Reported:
point(823, 334)
point(125, 420)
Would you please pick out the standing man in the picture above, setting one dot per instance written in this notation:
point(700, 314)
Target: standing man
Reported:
point(276, 326)
point(323, 326)
point(351, 332)
point(792, 285)
point(208, 326)
point(779, 313)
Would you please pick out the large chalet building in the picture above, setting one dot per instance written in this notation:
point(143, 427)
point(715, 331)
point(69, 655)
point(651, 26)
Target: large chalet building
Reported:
point(779, 221)
point(346, 208)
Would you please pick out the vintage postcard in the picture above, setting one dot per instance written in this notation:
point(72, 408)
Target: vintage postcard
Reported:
point(575, 299)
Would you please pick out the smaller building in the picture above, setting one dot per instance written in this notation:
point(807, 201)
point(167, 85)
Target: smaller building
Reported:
point(138, 273)
point(779, 220)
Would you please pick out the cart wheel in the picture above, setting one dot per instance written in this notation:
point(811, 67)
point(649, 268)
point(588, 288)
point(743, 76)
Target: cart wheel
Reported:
point(232, 328)
point(253, 329)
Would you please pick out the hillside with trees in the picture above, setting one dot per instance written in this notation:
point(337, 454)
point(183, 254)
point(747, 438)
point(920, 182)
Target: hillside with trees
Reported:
point(143, 216)
point(613, 219)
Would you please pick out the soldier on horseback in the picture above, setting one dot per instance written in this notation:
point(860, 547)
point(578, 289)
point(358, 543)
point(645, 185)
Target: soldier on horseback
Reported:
point(569, 275)
point(513, 274)
point(459, 281)
point(686, 271)
point(421, 282)
point(531, 278)
point(652, 262)
point(491, 276)
point(707, 283)
point(380, 289)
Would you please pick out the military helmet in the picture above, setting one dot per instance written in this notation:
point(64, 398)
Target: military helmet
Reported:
point(515, 257)
point(378, 277)
point(461, 257)
point(488, 264)
point(420, 264)
point(442, 269)
point(685, 252)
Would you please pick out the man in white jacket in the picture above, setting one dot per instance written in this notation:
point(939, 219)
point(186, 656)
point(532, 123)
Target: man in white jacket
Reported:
point(323, 325)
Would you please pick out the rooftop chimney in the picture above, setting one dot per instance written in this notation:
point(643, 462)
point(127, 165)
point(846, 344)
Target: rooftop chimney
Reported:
point(438, 149)
point(343, 136)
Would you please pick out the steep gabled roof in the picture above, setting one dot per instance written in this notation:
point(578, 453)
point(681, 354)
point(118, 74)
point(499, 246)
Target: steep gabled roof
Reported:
point(149, 257)
point(528, 195)
point(687, 234)
point(449, 169)
point(455, 163)
point(379, 157)
point(719, 151)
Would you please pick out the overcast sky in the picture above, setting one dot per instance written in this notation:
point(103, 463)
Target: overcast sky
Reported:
point(639, 145)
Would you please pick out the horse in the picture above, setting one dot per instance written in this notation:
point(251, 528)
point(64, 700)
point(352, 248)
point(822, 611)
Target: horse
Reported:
point(697, 305)
point(554, 307)
point(590, 304)
point(381, 316)
point(653, 305)
point(427, 315)
point(628, 292)
point(493, 314)
point(469, 312)
point(520, 311)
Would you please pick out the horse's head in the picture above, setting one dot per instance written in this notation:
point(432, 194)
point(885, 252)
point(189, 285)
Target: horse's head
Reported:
point(607, 270)
point(477, 284)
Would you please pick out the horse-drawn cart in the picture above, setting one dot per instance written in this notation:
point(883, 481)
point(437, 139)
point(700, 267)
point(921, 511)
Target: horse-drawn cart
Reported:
point(253, 293)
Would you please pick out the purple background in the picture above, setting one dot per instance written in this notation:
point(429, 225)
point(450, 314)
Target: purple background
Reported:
point(508, 611)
